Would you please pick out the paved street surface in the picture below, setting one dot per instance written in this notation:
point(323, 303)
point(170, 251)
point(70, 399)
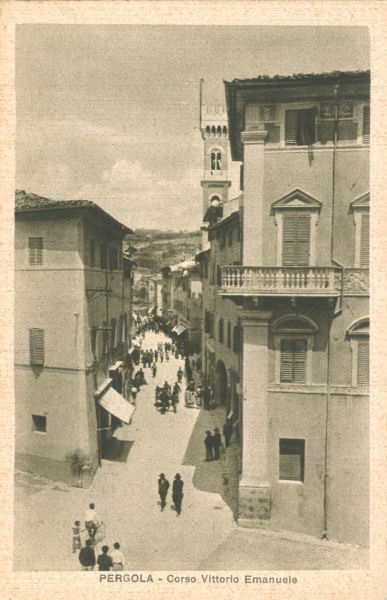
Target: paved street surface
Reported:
point(204, 536)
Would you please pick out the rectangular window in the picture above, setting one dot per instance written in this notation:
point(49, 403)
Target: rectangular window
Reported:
point(113, 259)
point(103, 256)
point(296, 240)
point(36, 346)
point(365, 241)
point(291, 459)
point(229, 335)
point(39, 423)
point(218, 275)
point(366, 124)
point(237, 338)
point(363, 366)
point(293, 361)
point(230, 236)
point(36, 250)
point(300, 127)
point(220, 331)
point(113, 333)
point(91, 253)
point(93, 341)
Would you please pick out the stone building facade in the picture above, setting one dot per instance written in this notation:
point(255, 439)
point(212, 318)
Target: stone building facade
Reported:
point(72, 334)
point(294, 285)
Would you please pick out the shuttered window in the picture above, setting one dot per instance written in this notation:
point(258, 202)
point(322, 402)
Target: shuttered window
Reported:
point(293, 361)
point(300, 127)
point(36, 250)
point(237, 339)
point(296, 240)
point(229, 334)
point(36, 346)
point(365, 240)
point(113, 259)
point(291, 128)
point(291, 459)
point(93, 341)
point(363, 363)
point(366, 124)
point(113, 333)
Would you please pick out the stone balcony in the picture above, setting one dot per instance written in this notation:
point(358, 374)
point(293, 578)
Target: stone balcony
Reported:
point(279, 281)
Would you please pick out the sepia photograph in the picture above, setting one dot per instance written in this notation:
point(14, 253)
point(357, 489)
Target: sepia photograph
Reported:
point(190, 397)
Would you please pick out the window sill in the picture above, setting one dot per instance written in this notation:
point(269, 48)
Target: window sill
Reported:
point(291, 481)
point(40, 432)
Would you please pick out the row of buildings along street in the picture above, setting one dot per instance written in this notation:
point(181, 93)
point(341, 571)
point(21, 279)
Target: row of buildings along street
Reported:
point(271, 315)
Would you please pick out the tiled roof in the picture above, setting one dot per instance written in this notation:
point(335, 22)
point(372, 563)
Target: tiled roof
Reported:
point(298, 77)
point(31, 202)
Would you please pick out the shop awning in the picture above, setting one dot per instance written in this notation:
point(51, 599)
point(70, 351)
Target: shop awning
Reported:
point(117, 405)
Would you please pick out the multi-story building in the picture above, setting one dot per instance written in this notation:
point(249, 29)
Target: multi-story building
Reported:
point(72, 324)
point(154, 293)
point(182, 301)
point(300, 296)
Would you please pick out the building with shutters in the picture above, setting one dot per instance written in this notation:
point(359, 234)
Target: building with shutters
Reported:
point(286, 274)
point(72, 334)
point(182, 302)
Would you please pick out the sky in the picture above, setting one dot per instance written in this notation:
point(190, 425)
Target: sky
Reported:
point(110, 113)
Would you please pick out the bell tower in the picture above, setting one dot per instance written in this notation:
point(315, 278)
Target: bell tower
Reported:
point(214, 130)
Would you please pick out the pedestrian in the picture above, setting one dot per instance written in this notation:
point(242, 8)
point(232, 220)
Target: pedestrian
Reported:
point(117, 558)
point(76, 536)
point(161, 356)
point(163, 489)
point(177, 492)
point(217, 443)
point(87, 556)
point(91, 521)
point(180, 374)
point(156, 355)
point(154, 370)
point(227, 432)
point(104, 561)
point(209, 444)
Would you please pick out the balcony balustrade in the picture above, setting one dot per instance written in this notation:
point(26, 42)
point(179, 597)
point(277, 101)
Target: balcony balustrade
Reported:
point(278, 281)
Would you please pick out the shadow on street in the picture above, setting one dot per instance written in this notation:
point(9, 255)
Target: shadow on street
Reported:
point(208, 476)
point(117, 450)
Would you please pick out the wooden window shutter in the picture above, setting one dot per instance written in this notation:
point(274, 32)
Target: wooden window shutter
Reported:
point(291, 119)
point(365, 240)
point(36, 346)
point(303, 240)
point(286, 361)
point(39, 251)
point(289, 240)
point(299, 361)
point(363, 363)
point(366, 124)
point(32, 245)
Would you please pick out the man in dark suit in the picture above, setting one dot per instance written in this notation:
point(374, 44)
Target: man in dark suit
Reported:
point(209, 444)
point(217, 442)
point(163, 489)
point(177, 492)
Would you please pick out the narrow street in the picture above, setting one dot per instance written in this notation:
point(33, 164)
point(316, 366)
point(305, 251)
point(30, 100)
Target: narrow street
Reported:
point(125, 493)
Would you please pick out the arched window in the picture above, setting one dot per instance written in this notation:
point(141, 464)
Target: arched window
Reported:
point(224, 130)
point(220, 331)
point(208, 130)
point(358, 332)
point(213, 131)
point(219, 130)
point(216, 160)
point(293, 343)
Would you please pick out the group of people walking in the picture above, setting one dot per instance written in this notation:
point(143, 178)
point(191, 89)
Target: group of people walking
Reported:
point(96, 532)
point(213, 442)
point(167, 396)
point(177, 491)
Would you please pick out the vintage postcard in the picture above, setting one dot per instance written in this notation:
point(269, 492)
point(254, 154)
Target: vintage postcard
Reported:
point(193, 300)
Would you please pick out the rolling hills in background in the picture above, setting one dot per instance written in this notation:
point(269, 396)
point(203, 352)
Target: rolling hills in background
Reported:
point(154, 249)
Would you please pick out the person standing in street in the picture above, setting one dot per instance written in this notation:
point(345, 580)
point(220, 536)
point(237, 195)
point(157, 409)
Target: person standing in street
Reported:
point(117, 558)
point(156, 355)
point(209, 444)
point(87, 556)
point(154, 370)
point(91, 521)
point(217, 442)
point(163, 489)
point(177, 492)
point(227, 432)
point(104, 561)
